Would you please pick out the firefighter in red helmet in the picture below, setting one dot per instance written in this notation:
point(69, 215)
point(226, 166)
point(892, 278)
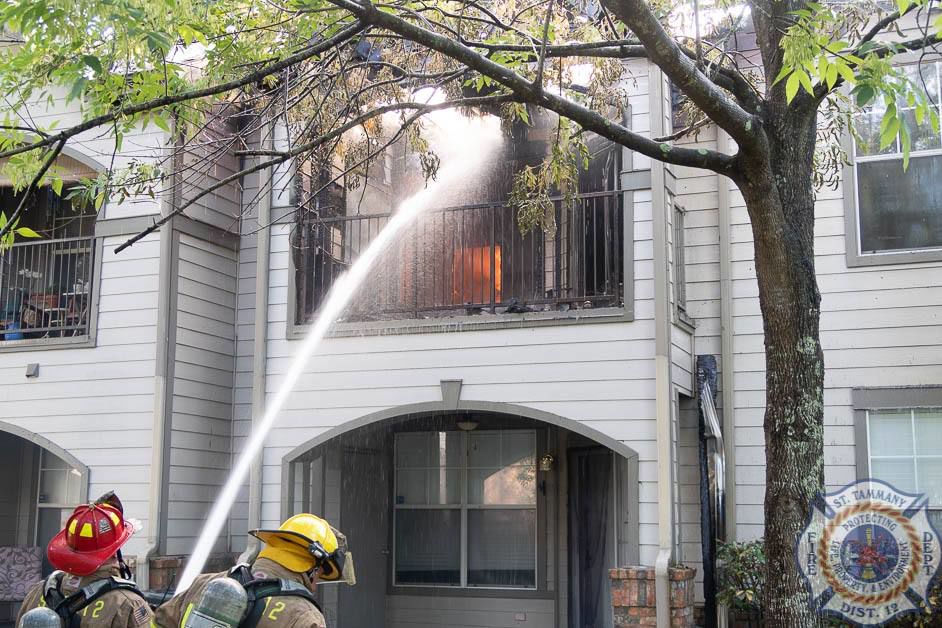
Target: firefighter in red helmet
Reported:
point(91, 587)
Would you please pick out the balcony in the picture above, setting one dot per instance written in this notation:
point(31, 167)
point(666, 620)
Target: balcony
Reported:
point(45, 290)
point(469, 261)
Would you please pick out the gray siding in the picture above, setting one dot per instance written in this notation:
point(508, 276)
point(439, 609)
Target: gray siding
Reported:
point(204, 359)
point(208, 159)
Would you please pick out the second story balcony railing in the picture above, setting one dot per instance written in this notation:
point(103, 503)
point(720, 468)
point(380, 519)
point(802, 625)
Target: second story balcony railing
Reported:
point(46, 289)
point(470, 260)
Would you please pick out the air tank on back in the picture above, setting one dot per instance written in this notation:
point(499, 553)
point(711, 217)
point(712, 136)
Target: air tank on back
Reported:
point(222, 605)
point(41, 617)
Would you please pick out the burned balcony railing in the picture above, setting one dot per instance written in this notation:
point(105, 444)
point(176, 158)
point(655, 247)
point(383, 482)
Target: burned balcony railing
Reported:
point(470, 260)
point(46, 289)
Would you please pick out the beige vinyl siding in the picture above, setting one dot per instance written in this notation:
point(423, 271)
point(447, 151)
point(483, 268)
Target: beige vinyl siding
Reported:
point(98, 403)
point(200, 435)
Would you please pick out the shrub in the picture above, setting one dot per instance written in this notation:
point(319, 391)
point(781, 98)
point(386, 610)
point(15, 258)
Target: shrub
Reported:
point(741, 575)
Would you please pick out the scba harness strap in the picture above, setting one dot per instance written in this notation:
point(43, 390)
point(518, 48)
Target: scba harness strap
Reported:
point(259, 589)
point(69, 607)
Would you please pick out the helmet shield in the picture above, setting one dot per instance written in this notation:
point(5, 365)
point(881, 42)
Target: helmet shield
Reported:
point(305, 542)
point(338, 566)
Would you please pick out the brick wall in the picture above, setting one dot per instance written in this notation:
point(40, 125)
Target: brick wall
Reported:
point(634, 602)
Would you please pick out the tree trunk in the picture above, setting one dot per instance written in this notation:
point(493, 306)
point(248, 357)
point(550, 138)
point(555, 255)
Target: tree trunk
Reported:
point(779, 196)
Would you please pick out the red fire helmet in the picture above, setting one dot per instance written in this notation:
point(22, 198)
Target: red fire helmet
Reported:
point(92, 535)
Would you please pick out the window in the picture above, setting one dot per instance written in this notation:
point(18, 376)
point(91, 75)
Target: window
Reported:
point(905, 448)
point(60, 490)
point(899, 212)
point(898, 432)
point(680, 260)
point(465, 509)
point(46, 283)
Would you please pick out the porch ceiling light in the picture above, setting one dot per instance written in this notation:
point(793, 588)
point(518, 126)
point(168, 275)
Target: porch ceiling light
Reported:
point(467, 425)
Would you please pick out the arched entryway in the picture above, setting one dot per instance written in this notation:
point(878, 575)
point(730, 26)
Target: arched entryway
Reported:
point(40, 484)
point(471, 515)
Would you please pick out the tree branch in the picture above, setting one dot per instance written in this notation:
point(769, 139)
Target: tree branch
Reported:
point(538, 81)
point(883, 23)
point(683, 71)
point(15, 216)
point(525, 92)
point(165, 101)
point(684, 131)
point(622, 48)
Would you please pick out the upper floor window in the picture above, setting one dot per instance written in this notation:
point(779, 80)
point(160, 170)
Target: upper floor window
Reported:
point(679, 261)
point(897, 211)
point(46, 283)
point(466, 509)
point(466, 256)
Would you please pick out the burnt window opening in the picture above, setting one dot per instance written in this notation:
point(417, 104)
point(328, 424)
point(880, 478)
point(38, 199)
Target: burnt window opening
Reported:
point(466, 256)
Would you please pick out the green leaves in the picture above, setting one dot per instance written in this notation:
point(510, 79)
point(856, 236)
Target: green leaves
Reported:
point(864, 94)
point(26, 232)
point(93, 62)
point(889, 127)
point(742, 575)
point(8, 238)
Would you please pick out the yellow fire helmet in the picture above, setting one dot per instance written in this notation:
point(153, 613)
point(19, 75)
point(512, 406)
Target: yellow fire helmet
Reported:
point(306, 541)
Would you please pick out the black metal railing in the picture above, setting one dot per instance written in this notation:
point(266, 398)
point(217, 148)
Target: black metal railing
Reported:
point(46, 288)
point(470, 260)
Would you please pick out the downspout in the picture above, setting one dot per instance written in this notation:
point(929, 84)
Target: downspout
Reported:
point(260, 341)
point(162, 387)
point(724, 145)
point(662, 359)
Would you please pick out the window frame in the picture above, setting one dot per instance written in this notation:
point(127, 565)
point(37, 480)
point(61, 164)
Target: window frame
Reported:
point(678, 218)
point(87, 340)
point(855, 257)
point(464, 508)
point(866, 400)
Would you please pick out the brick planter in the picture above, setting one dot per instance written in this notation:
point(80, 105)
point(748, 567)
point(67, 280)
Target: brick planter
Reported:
point(164, 570)
point(633, 596)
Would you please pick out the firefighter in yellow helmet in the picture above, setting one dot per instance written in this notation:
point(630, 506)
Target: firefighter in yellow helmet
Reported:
point(280, 583)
